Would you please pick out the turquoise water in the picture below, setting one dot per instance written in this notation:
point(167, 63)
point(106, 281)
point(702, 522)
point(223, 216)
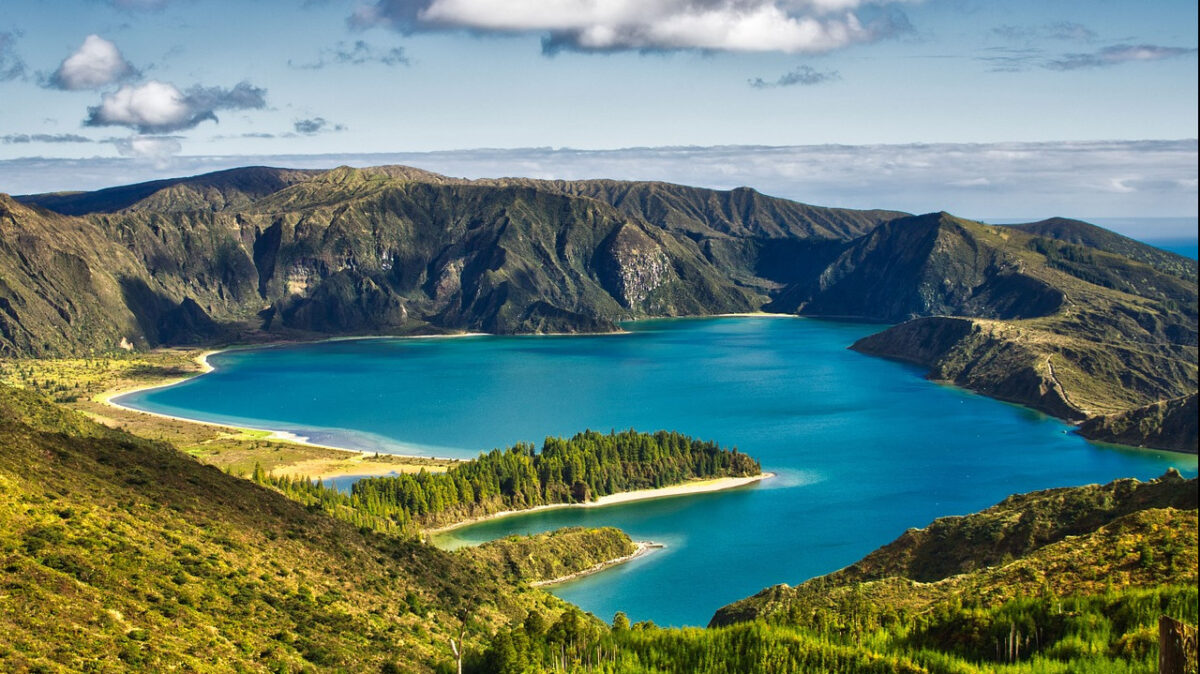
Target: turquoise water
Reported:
point(864, 448)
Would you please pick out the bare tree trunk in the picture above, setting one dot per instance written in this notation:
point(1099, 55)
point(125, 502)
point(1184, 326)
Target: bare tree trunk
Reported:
point(1176, 647)
point(458, 648)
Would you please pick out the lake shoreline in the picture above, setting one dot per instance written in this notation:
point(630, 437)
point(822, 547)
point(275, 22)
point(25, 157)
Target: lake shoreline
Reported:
point(641, 549)
point(703, 486)
point(350, 462)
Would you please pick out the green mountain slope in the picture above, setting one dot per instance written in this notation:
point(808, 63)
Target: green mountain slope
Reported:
point(1067, 329)
point(393, 248)
point(66, 286)
point(1086, 234)
point(117, 553)
point(1066, 317)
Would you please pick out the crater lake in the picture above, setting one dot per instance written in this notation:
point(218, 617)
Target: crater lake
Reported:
point(862, 448)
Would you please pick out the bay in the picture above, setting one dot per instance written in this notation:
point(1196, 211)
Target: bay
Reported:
point(863, 448)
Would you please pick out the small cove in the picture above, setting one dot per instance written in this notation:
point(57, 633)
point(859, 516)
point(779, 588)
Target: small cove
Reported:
point(863, 448)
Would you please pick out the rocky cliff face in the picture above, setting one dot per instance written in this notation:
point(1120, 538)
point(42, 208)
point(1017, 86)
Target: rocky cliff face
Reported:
point(634, 266)
point(389, 249)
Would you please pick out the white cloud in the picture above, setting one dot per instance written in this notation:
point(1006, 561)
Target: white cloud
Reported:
point(152, 147)
point(609, 25)
point(97, 63)
point(151, 105)
point(159, 107)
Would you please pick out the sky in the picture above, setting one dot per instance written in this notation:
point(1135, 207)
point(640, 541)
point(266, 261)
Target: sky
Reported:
point(997, 108)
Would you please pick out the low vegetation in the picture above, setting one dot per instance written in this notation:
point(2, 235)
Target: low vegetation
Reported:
point(557, 554)
point(120, 553)
point(1114, 631)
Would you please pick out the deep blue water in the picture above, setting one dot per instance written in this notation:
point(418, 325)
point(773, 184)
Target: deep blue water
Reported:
point(864, 448)
point(1184, 247)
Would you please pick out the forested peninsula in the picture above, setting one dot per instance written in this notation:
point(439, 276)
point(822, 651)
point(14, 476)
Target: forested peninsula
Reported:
point(578, 469)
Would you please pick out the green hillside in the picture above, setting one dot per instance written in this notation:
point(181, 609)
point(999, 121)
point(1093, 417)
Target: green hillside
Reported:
point(1065, 580)
point(118, 553)
point(1086, 234)
point(399, 249)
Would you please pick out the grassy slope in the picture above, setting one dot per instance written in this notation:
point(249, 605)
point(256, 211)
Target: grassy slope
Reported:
point(119, 552)
point(1060, 541)
point(1169, 424)
point(1086, 234)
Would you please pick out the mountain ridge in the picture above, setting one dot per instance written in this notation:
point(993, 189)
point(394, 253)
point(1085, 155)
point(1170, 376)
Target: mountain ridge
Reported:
point(1083, 322)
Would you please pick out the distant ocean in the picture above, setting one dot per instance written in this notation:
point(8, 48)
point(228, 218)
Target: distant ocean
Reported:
point(1184, 247)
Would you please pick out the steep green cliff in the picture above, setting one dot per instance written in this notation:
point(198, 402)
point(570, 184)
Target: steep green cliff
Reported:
point(395, 249)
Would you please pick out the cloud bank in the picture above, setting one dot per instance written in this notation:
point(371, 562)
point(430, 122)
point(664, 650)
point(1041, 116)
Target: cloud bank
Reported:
point(315, 125)
point(159, 107)
point(1018, 59)
point(96, 64)
point(1060, 30)
point(991, 180)
point(19, 138)
point(804, 76)
point(12, 67)
point(652, 25)
point(357, 54)
point(1116, 55)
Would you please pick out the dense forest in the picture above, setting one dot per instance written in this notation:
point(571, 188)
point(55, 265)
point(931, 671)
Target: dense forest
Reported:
point(1113, 631)
point(566, 470)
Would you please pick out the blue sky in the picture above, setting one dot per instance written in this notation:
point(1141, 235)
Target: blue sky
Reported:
point(164, 86)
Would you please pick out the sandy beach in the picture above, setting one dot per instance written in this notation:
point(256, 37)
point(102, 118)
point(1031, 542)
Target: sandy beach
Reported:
point(641, 548)
point(685, 489)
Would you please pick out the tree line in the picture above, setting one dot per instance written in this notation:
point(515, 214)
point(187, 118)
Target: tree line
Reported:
point(578, 469)
point(1110, 631)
